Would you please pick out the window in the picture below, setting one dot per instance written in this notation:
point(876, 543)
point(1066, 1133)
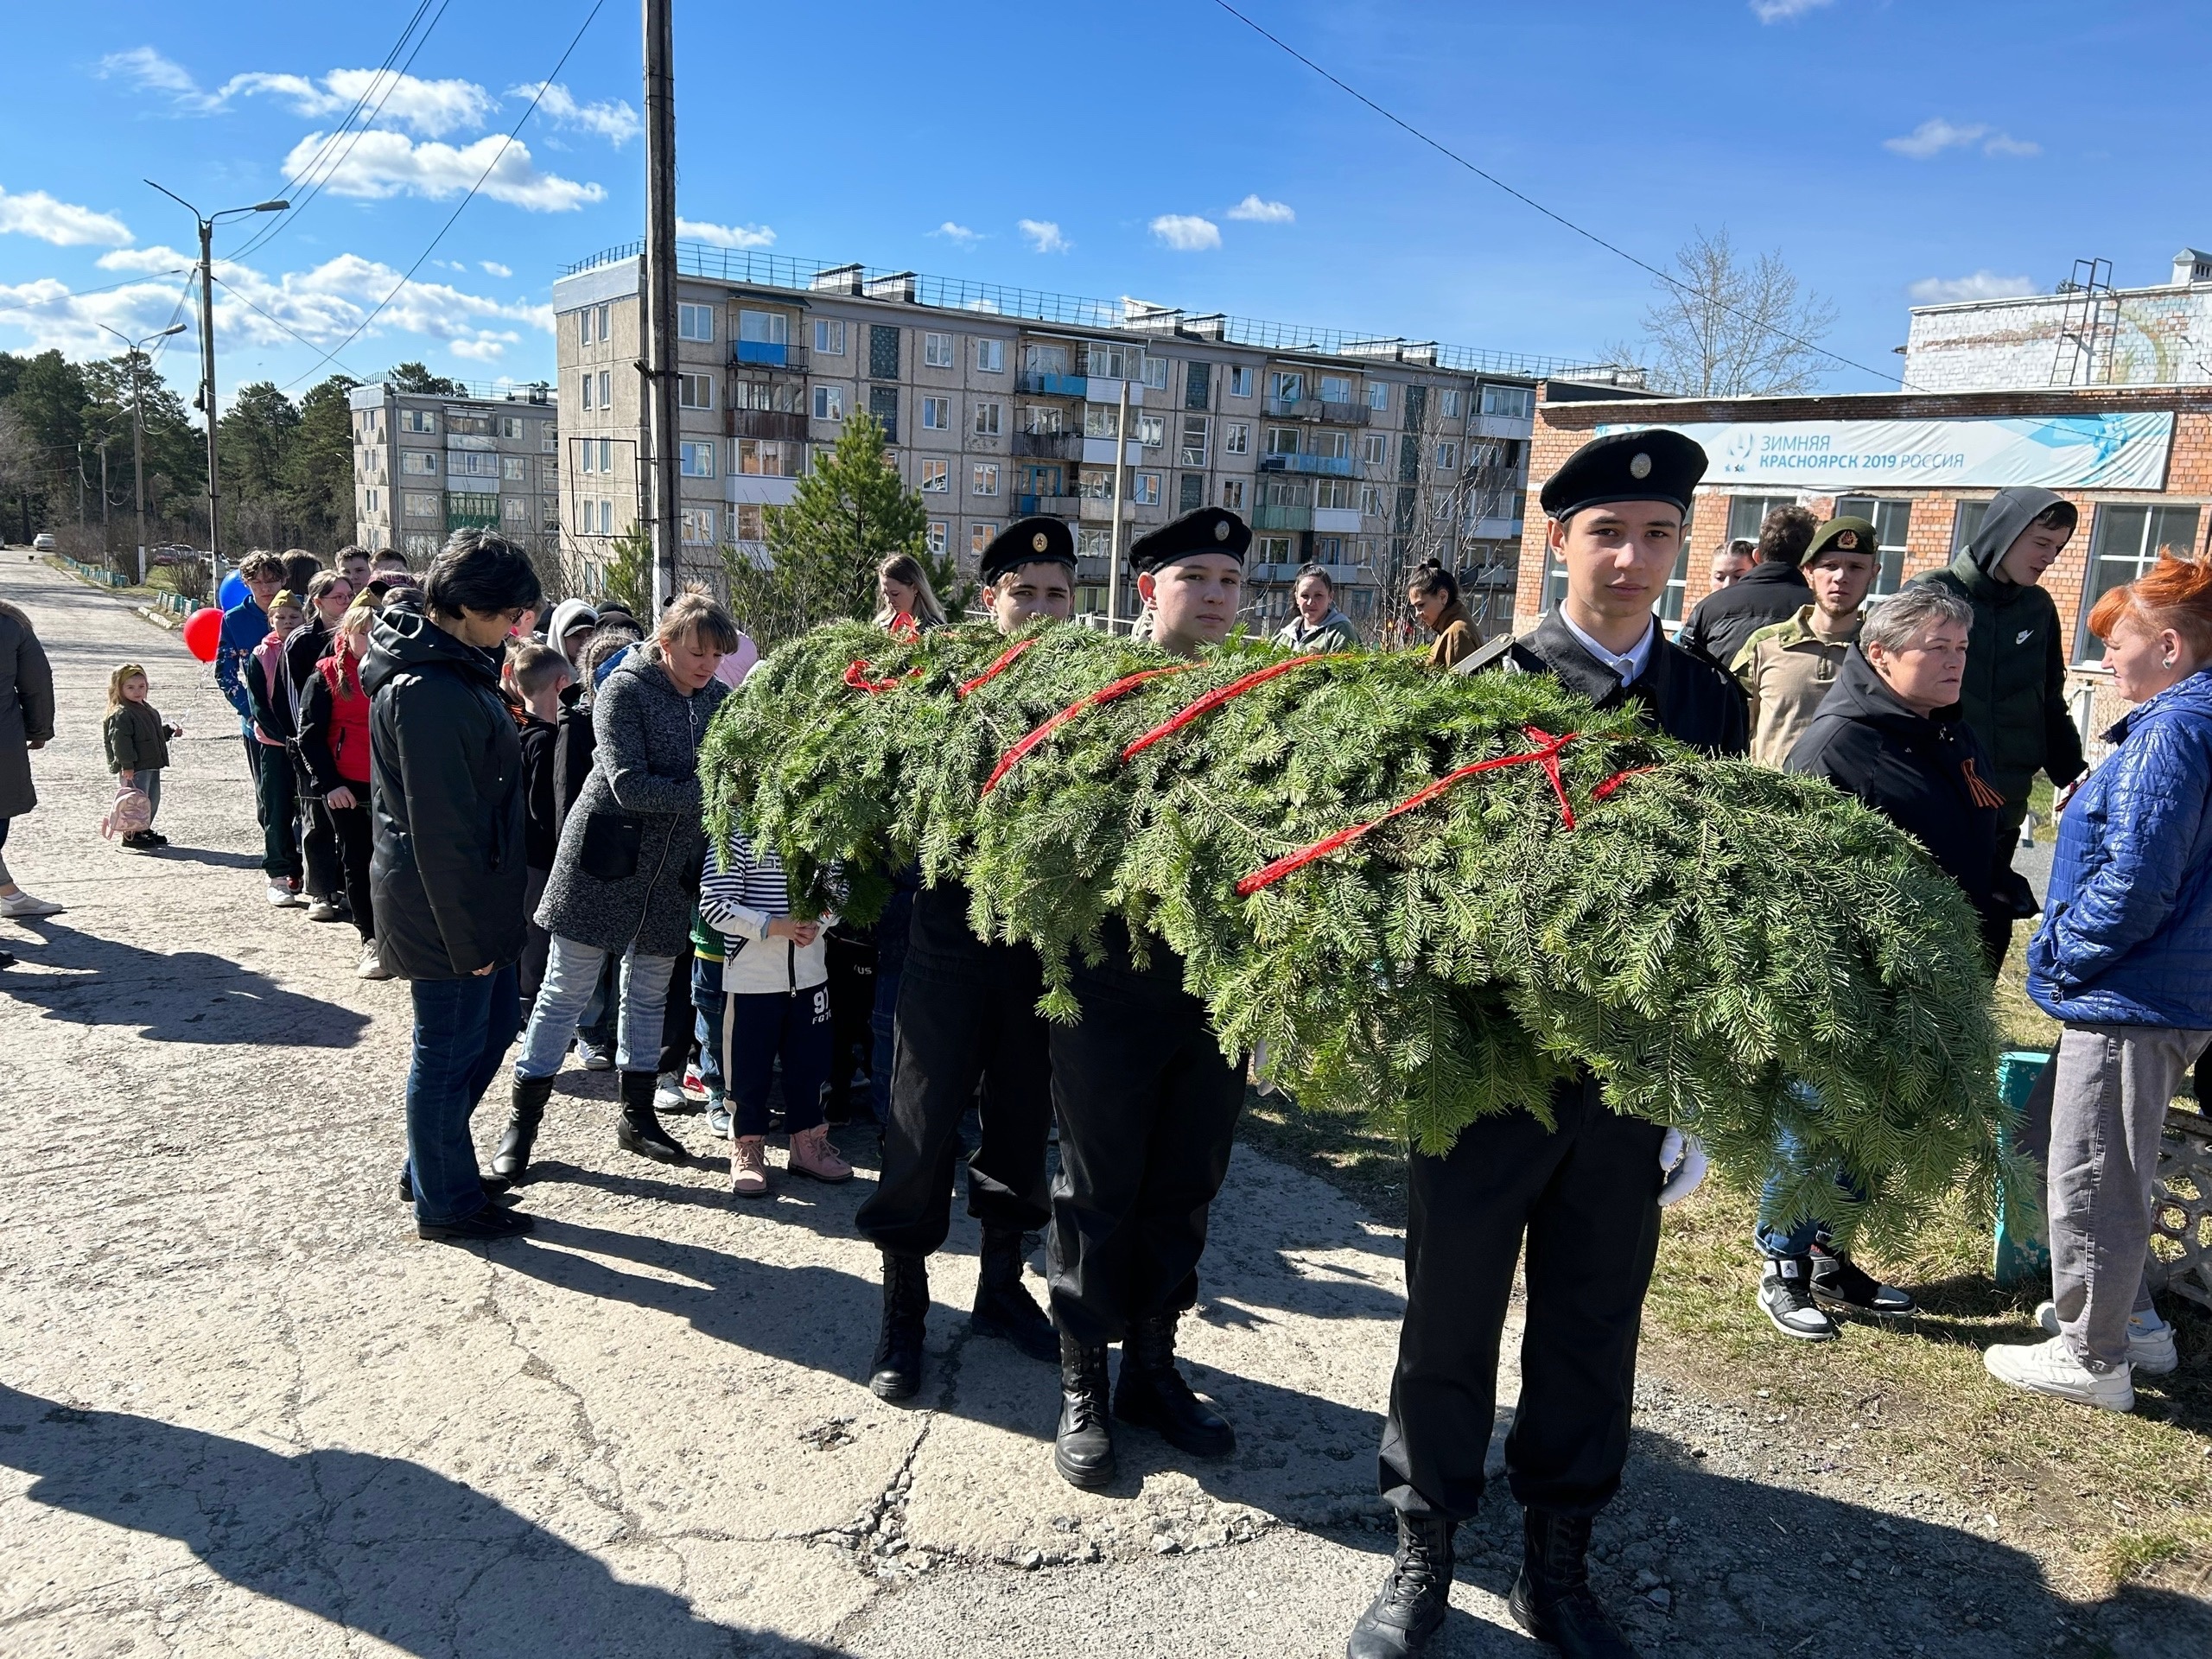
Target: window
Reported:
point(695, 322)
point(883, 407)
point(1448, 457)
point(1332, 493)
point(1194, 442)
point(423, 463)
point(1101, 421)
point(1747, 513)
point(471, 504)
point(1232, 494)
point(603, 311)
point(510, 426)
point(1095, 486)
point(583, 327)
point(698, 459)
point(1146, 492)
point(1190, 491)
point(607, 517)
point(1043, 418)
point(1152, 431)
point(1966, 525)
point(1110, 362)
point(766, 458)
point(979, 537)
point(1677, 589)
point(1517, 402)
point(1237, 438)
point(1198, 380)
point(1282, 440)
point(988, 419)
point(419, 503)
point(1240, 380)
point(695, 390)
point(882, 351)
point(983, 478)
point(606, 388)
point(829, 403)
point(696, 525)
point(1153, 371)
point(1274, 550)
point(1337, 446)
point(1447, 403)
point(1043, 359)
point(1370, 500)
point(1378, 395)
point(1285, 386)
point(606, 449)
point(515, 468)
point(472, 463)
point(935, 536)
point(2128, 543)
point(368, 500)
point(418, 420)
point(1375, 448)
point(584, 456)
point(937, 412)
point(990, 357)
point(1891, 518)
point(515, 509)
point(937, 477)
point(748, 522)
point(937, 351)
point(829, 336)
point(1335, 389)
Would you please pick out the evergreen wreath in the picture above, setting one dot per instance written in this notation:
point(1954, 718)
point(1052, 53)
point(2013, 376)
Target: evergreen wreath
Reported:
point(1429, 896)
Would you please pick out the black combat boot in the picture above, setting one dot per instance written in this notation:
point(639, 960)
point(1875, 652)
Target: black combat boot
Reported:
point(524, 1117)
point(896, 1373)
point(1409, 1608)
point(1153, 1394)
point(1004, 1306)
point(1552, 1598)
point(1083, 1447)
point(640, 1131)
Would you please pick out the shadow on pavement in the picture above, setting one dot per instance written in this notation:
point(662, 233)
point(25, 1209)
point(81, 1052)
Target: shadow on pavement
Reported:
point(379, 1545)
point(189, 996)
point(210, 855)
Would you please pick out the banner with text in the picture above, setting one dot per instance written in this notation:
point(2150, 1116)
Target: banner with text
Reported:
point(2104, 452)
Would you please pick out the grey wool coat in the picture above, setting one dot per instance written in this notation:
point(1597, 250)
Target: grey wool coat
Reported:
point(26, 709)
point(626, 870)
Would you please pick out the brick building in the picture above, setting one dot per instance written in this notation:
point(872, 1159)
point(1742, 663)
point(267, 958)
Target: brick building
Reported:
point(2136, 461)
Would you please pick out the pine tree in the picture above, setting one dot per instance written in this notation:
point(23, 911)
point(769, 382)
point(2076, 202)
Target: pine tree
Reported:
point(627, 575)
point(1457, 958)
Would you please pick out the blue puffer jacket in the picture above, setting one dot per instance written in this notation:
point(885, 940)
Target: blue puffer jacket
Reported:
point(2127, 934)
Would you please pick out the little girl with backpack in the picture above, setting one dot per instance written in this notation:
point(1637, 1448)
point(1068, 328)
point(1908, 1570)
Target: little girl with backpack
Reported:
point(137, 753)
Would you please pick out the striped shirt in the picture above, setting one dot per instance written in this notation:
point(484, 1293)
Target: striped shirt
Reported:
point(738, 896)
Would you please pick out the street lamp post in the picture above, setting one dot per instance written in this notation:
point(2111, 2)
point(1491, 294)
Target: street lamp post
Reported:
point(136, 348)
point(207, 223)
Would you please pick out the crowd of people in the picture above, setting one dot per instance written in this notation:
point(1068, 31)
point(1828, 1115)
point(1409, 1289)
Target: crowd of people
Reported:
point(512, 819)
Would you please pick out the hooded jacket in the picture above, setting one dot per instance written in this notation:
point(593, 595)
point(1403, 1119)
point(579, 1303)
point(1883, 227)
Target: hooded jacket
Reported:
point(1923, 773)
point(626, 871)
point(446, 874)
point(2127, 937)
point(1334, 632)
point(2015, 692)
point(564, 617)
point(1724, 622)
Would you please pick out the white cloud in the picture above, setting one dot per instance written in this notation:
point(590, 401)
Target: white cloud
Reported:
point(432, 108)
point(380, 164)
point(494, 268)
point(726, 236)
point(149, 71)
point(1935, 134)
point(156, 259)
point(1779, 11)
point(62, 223)
point(484, 348)
point(1043, 236)
point(1262, 212)
point(1186, 232)
point(614, 121)
point(1982, 285)
point(959, 235)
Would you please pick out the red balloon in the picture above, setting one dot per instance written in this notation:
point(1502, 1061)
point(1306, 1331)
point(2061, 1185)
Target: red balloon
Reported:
point(203, 631)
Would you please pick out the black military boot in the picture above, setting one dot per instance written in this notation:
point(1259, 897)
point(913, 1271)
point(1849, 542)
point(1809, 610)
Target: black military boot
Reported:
point(1153, 1394)
point(524, 1117)
point(640, 1131)
point(896, 1371)
point(1409, 1608)
point(1004, 1306)
point(1082, 1445)
point(1552, 1598)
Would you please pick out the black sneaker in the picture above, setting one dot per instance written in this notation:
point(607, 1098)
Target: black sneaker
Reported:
point(491, 1222)
point(1838, 1278)
point(1786, 1298)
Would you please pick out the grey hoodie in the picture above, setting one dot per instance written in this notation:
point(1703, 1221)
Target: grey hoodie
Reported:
point(2010, 512)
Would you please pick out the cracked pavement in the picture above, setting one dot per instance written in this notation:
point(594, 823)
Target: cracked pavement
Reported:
point(243, 1411)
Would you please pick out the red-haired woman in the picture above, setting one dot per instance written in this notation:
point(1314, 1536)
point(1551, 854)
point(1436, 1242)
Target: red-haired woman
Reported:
point(2124, 957)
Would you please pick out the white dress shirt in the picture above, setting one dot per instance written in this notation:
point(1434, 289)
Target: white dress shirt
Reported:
point(1628, 668)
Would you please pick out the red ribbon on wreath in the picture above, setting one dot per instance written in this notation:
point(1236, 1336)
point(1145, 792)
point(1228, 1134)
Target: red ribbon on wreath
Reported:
point(1219, 695)
point(857, 677)
point(1006, 661)
point(1120, 688)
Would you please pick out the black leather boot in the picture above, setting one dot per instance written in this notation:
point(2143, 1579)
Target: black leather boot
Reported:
point(1551, 1599)
point(1082, 1445)
point(1153, 1394)
point(640, 1131)
point(1004, 1306)
point(896, 1372)
point(1410, 1607)
point(524, 1117)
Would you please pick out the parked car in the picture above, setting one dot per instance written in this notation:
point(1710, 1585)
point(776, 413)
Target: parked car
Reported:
point(44, 542)
point(176, 553)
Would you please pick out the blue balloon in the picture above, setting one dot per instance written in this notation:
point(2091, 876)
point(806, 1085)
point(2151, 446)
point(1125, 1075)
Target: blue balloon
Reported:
point(232, 593)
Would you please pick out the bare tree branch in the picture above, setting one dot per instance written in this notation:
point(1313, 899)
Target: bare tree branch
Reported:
point(1733, 328)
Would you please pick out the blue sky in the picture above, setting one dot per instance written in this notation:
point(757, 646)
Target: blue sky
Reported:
point(1158, 148)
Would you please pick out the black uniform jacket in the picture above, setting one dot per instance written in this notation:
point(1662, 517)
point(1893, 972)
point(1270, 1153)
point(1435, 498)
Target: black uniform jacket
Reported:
point(1724, 620)
point(1685, 697)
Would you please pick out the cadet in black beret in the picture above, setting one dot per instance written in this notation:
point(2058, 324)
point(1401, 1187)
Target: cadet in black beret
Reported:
point(1653, 464)
point(1027, 541)
point(1190, 574)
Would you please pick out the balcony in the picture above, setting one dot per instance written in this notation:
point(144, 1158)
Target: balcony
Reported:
point(776, 423)
point(1052, 385)
point(1270, 516)
point(1324, 465)
point(1316, 409)
point(1056, 506)
point(1049, 446)
point(1095, 509)
point(768, 354)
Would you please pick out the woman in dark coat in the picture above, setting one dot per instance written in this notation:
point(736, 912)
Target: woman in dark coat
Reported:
point(448, 874)
point(26, 723)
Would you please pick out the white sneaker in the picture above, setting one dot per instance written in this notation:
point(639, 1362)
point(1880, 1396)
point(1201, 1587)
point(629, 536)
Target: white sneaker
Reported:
point(2150, 1347)
point(22, 903)
point(322, 910)
point(281, 896)
point(371, 964)
point(2048, 1368)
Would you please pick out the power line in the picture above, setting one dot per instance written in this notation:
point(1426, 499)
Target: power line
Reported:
point(86, 293)
point(277, 322)
point(498, 156)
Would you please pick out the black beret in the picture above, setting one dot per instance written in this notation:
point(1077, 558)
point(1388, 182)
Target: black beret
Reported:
point(1028, 541)
point(1210, 529)
point(1652, 465)
point(1846, 535)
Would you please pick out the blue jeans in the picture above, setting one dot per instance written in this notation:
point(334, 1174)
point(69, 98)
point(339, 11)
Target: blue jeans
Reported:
point(706, 1011)
point(462, 1028)
point(571, 974)
point(1798, 1238)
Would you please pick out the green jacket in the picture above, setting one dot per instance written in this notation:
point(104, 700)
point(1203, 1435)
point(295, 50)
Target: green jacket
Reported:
point(2015, 692)
point(137, 739)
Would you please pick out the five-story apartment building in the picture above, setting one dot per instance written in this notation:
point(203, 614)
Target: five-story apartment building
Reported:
point(429, 463)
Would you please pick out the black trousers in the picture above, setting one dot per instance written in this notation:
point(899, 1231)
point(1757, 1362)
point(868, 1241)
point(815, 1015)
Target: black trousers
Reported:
point(1147, 1108)
point(275, 794)
point(1586, 1196)
point(966, 1015)
point(349, 825)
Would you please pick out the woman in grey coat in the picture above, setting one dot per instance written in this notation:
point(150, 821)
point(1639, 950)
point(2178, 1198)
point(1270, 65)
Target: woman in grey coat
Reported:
point(625, 873)
point(26, 723)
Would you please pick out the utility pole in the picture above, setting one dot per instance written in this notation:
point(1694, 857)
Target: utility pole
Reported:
point(136, 353)
point(1120, 492)
point(660, 298)
point(107, 541)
